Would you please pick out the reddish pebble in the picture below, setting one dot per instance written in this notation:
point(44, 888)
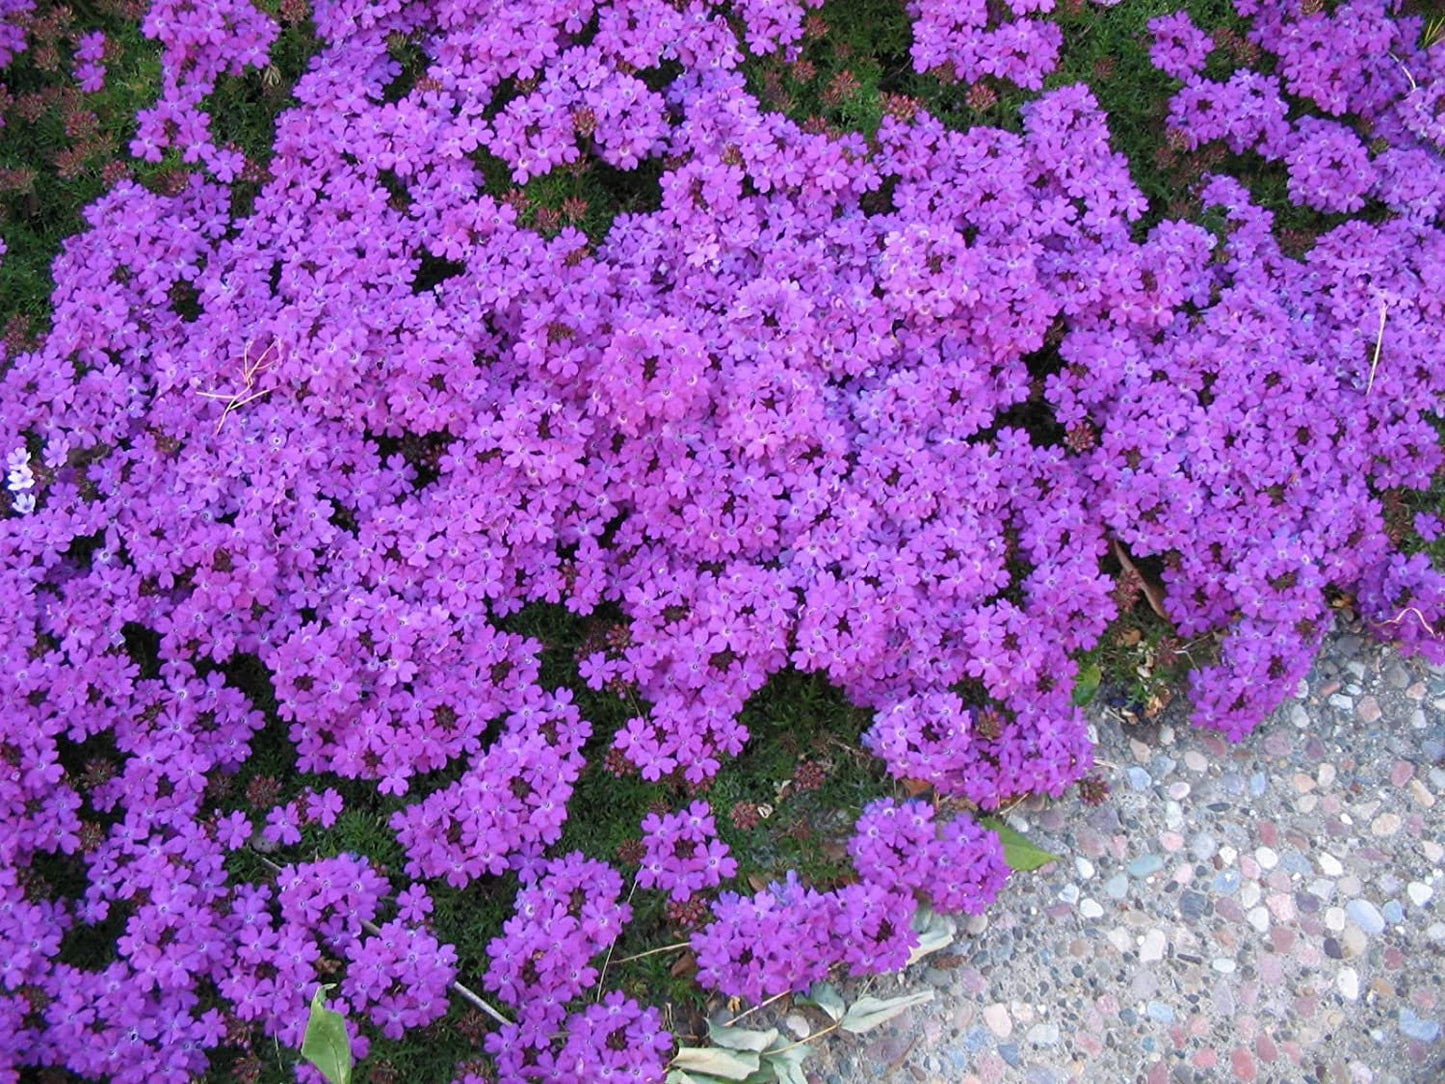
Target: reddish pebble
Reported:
point(1394, 959)
point(1402, 773)
point(1158, 1073)
point(1282, 937)
point(1268, 834)
point(1205, 1059)
point(1265, 1048)
point(1242, 1064)
point(1178, 1036)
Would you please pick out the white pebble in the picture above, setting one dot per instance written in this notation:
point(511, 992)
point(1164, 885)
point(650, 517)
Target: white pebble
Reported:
point(1419, 893)
point(1348, 982)
point(1329, 864)
point(1090, 908)
point(1266, 857)
point(1084, 867)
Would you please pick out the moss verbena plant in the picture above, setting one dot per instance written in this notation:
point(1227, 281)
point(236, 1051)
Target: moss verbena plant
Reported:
point(548, 394)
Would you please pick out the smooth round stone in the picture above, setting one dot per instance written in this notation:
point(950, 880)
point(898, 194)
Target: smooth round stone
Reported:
point(1069, 893)
point(1419, 893)
point(1084, 868)
point(1193, 905)
point(1226, 882)
point(1385, 825)
point(1117, 886)
point(1426, 1031)
point(1146, 865)
point(1329, 864)
point(1348, 983)
point(1394, 912)
point(1366, 916)
point(1090, 908)
point(1266, 857)
point(1202, 846)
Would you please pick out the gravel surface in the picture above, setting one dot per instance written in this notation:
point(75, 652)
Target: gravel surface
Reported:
point(1267, 911)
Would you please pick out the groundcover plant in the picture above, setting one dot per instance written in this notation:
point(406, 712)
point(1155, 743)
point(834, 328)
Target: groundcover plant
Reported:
point(681, 327)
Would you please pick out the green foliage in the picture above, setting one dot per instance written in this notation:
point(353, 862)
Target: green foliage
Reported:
point(55, 146)
point(1021, 854)
point(326, 1045)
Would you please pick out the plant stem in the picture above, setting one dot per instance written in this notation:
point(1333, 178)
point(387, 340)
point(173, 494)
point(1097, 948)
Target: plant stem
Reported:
point(654, 952)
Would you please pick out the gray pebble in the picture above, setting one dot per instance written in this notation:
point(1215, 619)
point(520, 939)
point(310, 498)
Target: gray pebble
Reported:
point(1366, 916)
point(1146, 865)
point(1139, 779)
point(1427, 1031)
point(1117, 886)
point(1194, 905)
point(1043, 1034)
point(1203, 846)
point(1226, 882)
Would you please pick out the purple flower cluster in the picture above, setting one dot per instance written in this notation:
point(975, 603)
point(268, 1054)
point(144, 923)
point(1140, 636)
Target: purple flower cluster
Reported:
point(975, 40)
point(566, 915)
point(1180, 48)
point(682, 853)
point(787, 937)
point(957, 866)
point(201, 40)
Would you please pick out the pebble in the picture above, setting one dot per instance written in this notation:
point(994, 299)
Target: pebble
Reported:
point(1069, 893)
point(1146, 865)
point(1348, 983)
point(1266, 857)
point(1344, 703)
point(1194, 905)
point(1224, 965)
point(1152, 946)
point(997, 1018)
point(1043, 1034)
point(1419, 893)
point(1329, 864)
point(1226, 882)
point(1090, 908)
point(1355, 942)
point(1139, 779)
point(1084, 868)
point(1368, 710)
point(1385, 825)
point(1366, 916)
point(1427, 1031)
point(1117, 886)
point(1394, 912)
point(1195, 761)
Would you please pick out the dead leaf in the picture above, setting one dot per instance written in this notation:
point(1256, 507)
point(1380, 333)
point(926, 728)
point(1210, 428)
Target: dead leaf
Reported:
point(914, 788)
point(686, 964)
point(1153, 591)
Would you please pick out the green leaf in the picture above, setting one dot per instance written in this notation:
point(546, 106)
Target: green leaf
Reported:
point(824, 996)
point(741, 1038)
point(867, 1013)
point(1087, 683)
point(326, 1045)
point(787, 1063)
point(677, 1076)
point(715, 1061)
point(1020, 854)
point(934, 931)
